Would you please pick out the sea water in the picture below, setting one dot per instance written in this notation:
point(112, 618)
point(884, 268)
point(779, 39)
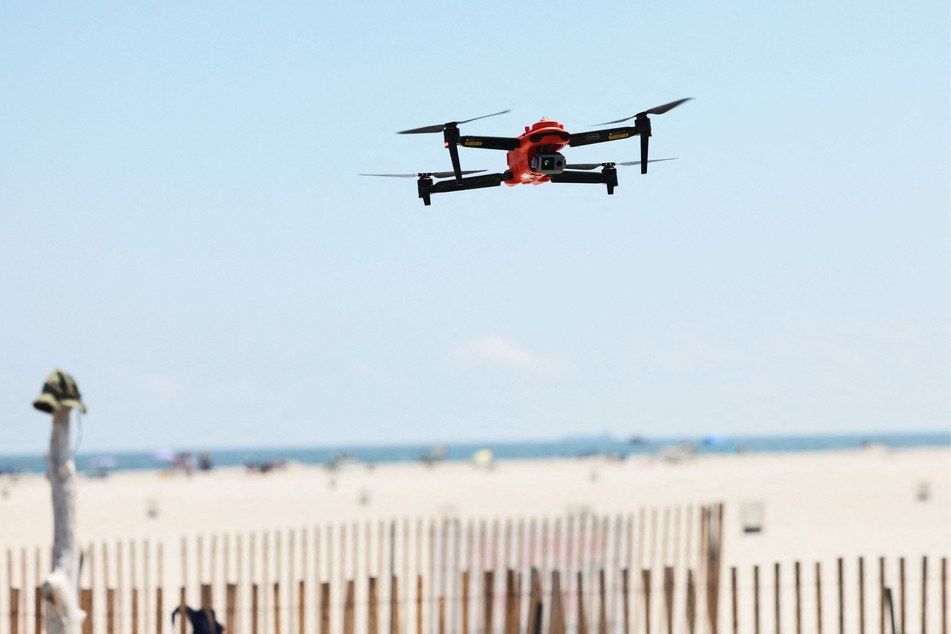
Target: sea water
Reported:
point(567, 447)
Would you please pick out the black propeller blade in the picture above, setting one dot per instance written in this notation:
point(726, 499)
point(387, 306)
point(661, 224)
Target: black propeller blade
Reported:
point(591, 166)
point(450, 135)
point(424, 174)
point(642, 126)
point(452, 124)
point(658, 110)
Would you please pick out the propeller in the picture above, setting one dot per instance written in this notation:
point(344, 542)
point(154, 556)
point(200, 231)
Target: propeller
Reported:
point(450, 135)
point(445, 126)
point(658, 110)
point(425, 174)
point(591, 166)
point(642, 126)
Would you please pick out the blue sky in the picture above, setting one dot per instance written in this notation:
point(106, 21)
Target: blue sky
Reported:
point(182, 226)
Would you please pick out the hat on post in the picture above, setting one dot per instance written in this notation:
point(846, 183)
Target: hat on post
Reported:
point(59, 391)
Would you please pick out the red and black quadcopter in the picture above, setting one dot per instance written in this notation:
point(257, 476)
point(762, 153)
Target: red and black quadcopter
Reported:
point(533, 157)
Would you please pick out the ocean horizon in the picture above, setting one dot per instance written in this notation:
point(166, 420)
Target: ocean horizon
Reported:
point(576, 446)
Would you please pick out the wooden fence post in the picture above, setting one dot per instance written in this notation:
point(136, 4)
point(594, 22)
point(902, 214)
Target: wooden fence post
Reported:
point(509, 600)
point(301, 603)
point(944, 595)
point(924, 595)
point(691, 602)
point(348, 609)
point(325, 608)
point(901, 582)
point(85, 604)
point(603, 609)
point(625, 599)
point(135, 610)
point(534, 597)
point(442, 614)
point(395, 605)
point(231, 592)
point(372, 625)
point(276, 598)
point(419, 601)
point(668, 598)
point(254, 608)
point(206, 603)
point(465, 599)
point(841, 581)
point(488, 596)
point(582, 621)
point(881, 595)
point(646, 585)
point(15, 612)
point(818, 598)
point(182, 612)
point(38, 609)
point(159, 588)
point(110, 608)
point(756, 599)
point(798, 601)
point(861, 595)
point(734, 602)
point(776, 596)
point(557, 619)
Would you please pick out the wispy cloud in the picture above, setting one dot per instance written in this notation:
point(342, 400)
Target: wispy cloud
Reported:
point(496, 351)
point(160, 384)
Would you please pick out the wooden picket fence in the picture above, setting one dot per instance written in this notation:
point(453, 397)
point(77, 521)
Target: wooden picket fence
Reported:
point(657, 571)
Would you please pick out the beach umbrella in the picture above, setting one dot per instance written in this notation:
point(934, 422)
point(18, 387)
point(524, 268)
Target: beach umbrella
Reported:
point(482, 458)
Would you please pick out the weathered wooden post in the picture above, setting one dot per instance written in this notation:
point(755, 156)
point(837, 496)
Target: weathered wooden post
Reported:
point(61, 586)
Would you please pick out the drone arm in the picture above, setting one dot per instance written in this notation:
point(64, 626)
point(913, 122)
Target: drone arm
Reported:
point(601, 136)
point(473, 182)
point(607, 176)
point(489, 142)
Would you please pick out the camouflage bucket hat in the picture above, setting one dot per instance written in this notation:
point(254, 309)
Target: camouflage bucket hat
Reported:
point(59, 391)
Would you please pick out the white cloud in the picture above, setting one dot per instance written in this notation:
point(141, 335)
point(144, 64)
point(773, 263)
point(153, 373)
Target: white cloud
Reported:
point(500, 352)
point(160, 384)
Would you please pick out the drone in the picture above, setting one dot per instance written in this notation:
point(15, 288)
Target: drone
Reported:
point(534, 157)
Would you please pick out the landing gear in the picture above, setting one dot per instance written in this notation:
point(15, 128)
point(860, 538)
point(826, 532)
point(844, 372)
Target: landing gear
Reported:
point(424, 186)
point(610, 178)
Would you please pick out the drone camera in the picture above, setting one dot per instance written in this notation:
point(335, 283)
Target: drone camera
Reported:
point(548, 163)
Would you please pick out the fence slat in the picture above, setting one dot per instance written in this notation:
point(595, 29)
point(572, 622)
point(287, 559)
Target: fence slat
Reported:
point(776, 597)
point(15, 612)
point(372, 626)
point(557, 619)
point(325, 608)
point(755, 599)
point(38, 609)
point(668, 598)
point(646, 587)
point(110, 606)
point(231, 592)
point(734, 600)
point(85, 604)
point(348, 605)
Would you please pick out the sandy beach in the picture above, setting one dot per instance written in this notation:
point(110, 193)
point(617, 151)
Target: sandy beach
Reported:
point(810, 507)
point(814, 505)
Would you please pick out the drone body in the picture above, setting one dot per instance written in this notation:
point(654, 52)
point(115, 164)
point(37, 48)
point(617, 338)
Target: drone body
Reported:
point(533, 157)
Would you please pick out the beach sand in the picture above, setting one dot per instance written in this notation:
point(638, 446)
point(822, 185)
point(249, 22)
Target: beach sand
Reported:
point(813, 505)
